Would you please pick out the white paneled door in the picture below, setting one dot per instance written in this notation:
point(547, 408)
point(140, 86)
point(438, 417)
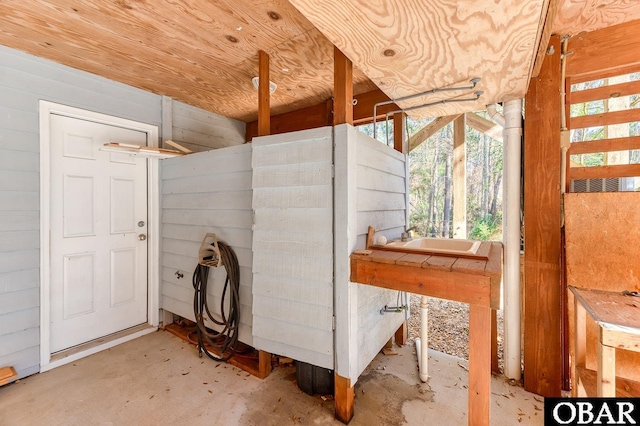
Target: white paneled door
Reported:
point(98, 232)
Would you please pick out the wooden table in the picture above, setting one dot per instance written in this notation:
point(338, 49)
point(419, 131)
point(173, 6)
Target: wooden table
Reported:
point(472, 281)
point(618, 319)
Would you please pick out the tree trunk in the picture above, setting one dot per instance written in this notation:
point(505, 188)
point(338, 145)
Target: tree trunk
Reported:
point(494, 201)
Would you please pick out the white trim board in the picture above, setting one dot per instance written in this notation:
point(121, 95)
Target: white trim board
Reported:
point(153, 220)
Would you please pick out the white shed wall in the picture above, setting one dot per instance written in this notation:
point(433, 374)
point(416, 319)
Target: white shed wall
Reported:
point(202, 193)
point(293, 245)
point(201, 130)
point(24, 80)
point(370, 190)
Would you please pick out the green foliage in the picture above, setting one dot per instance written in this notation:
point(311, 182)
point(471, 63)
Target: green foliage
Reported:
point(487, 229)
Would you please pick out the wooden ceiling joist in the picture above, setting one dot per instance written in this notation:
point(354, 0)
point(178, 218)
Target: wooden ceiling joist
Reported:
point(429, 130)
point(485, 126)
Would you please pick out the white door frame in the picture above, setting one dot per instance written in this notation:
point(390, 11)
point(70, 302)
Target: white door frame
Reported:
point(153, 222)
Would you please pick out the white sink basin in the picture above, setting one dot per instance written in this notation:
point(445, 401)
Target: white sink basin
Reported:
point(436, 245)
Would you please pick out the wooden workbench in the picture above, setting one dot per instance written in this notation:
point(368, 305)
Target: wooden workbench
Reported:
point(618, 319)
point(476, 282)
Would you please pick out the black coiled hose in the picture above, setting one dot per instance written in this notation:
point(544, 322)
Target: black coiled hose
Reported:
point(225, 342)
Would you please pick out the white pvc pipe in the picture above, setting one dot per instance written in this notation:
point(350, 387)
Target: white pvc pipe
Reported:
point(511, 136)
point(422, 346)
point(495, 115)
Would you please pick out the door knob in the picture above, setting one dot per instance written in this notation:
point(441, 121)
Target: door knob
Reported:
point(142, 237)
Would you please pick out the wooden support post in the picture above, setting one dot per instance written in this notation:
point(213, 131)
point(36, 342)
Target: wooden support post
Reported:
point(264, 364)
point(342, 88)
point(606, 383)
point(343, 399)
point(479, 364)
point(400, 141)
point(543, 348)
point(459, 178)
point(401, 334)
point(264, 95)
point(495, 368)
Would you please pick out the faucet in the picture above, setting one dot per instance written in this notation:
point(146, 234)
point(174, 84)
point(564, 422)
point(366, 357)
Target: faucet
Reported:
point(406, 235)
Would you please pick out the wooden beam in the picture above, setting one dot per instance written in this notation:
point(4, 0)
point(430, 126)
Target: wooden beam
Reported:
point(606, 92)
point(264, 364)
point(319, 115)
point(363, 109)
point(606, 49)
point(479, 365)
point(430, 130)
point(601, 172)
point(264, 95)
point(543, 349)
point(605, 145)
point(459, 178)
point(400, 142)
point(545, 35)
point(605, 119)
point(485, 126)
point(342, 88)
point(344, 397)
point(401, 334)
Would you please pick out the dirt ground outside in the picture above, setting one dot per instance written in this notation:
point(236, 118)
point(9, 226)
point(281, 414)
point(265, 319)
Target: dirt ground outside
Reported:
point(448, 327)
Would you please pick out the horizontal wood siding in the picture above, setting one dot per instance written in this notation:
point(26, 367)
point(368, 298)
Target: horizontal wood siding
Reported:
point(201, 130)
point(381, 202)
point(370, 190)
point(203, 193)
point(24, 80)
point(293, 245)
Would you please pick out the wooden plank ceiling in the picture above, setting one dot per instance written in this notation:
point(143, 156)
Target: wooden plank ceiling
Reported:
point(576, 16)
point(200, 52)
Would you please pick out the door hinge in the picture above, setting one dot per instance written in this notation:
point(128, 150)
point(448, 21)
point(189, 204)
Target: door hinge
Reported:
point(333, 322)
point(333, 171)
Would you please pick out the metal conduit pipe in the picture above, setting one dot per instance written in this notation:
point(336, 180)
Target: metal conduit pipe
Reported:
point(512, 139)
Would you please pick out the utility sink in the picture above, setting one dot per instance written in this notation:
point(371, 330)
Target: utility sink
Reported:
point(438, 246)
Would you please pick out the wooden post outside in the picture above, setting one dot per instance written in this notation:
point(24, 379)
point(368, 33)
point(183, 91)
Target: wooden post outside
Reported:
point(543, 345)
point(264, 95)
point(264, 364)
point(479, 364)
point(459, 178)
point(343, 399)
point(400, 141)
point(342, 88)
point(401, 334)
point(494, 342)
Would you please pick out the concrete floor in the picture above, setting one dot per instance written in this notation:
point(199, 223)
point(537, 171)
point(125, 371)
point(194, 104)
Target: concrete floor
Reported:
point(159, 379)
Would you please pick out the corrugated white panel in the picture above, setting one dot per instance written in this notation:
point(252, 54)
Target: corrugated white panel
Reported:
point(292, 245)
point(24, 80)
point(201, 130)
point(207, 192)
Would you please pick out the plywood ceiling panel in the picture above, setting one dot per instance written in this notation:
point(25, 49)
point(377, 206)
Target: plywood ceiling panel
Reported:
point(197, 51)
point(406, 47)
point(576, 16)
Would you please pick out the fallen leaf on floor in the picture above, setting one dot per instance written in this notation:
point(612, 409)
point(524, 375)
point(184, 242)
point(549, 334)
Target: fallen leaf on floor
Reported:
point(537, 408)
point(151, 397)
point(538, 399)
point(184, 374)
point(464, 367)
point(210, 391)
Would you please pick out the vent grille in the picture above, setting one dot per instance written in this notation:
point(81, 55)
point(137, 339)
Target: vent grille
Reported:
point(595, 185)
